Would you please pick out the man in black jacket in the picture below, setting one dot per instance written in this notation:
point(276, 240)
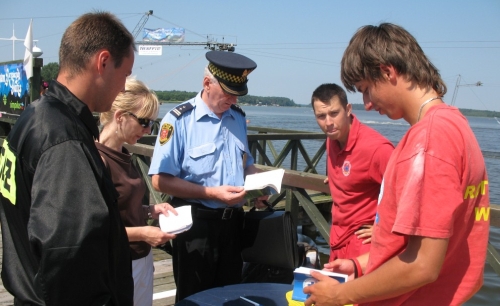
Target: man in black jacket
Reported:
point(63, 240)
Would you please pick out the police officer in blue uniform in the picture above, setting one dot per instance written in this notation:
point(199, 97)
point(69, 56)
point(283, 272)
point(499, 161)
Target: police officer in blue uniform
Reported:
point(201, 157)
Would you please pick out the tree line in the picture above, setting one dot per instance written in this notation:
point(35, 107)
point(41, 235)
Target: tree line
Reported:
point(50, 71)
point(180, 96)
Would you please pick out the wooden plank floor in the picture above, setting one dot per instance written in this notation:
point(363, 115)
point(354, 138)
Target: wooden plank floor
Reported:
point(163, 279)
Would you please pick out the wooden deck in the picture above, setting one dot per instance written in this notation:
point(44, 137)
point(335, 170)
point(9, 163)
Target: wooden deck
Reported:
point(164, 286)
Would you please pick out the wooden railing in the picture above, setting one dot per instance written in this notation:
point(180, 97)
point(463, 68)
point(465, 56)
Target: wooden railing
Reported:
point(262, 143)
point(297, 186)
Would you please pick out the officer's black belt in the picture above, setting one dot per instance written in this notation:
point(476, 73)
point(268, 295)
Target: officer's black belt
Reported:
point(200, 211)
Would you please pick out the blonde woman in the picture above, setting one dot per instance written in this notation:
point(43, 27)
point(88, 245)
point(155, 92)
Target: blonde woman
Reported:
point(131, 117)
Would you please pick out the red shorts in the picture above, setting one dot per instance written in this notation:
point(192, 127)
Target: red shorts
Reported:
point(353, 248)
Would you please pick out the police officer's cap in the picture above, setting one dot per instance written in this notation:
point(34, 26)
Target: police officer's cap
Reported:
point(231, 70)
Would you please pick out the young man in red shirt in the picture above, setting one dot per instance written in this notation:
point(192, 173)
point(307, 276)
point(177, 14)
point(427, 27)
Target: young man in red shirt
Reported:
point(431, 230)
point(357, 156)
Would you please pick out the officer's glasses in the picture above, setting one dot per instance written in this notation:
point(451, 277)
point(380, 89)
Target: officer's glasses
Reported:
point(144, 122)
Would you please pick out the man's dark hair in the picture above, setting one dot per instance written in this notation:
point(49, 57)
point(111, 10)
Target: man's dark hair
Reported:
point(390, 45)
point(326, 92)
point(90, 33)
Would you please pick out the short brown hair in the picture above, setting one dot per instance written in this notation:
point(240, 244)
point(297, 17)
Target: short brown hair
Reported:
point(390, 45)
point(325, 92)
point(90, 33)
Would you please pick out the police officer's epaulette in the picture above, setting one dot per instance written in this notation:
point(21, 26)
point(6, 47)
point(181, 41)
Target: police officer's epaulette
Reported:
point(181, 109)
point(238, 109)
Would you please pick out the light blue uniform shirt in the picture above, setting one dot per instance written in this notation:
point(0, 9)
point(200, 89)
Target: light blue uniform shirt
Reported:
point(203, 149)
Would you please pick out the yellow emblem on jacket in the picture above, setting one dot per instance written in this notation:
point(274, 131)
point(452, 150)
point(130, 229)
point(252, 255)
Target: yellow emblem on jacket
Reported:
point(166, 132)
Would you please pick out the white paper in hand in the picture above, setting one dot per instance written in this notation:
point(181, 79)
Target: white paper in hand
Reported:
point(173, 224)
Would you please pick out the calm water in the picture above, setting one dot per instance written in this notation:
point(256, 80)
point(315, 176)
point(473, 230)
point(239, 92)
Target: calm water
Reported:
point(487, 132)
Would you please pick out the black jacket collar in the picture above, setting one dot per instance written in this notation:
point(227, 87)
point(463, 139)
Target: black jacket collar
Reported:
point(62, 93)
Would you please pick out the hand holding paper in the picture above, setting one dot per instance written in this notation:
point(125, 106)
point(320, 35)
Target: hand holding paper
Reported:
point(162, 208)
point(175, 224)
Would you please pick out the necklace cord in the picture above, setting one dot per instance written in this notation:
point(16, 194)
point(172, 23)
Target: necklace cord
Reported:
point(423, 104)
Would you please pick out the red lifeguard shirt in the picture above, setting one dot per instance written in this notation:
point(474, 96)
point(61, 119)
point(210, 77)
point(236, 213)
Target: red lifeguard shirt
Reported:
point(354, 175)
point(436, 186)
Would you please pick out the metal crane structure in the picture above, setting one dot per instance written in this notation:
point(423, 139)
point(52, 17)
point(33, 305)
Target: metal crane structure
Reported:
point(479, 83)
point(142, 22)
point(209, 44)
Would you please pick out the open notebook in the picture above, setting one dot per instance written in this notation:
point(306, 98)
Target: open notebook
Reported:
point(263, 183)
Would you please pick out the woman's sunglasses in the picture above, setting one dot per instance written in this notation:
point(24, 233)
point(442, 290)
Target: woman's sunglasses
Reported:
point(144, 122)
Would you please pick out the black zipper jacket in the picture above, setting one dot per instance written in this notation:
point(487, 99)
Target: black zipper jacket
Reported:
point(63, 240)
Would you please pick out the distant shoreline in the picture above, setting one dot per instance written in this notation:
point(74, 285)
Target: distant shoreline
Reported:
point(464, 111)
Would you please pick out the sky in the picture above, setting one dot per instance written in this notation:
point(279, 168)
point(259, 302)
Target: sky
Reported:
point(297, 45)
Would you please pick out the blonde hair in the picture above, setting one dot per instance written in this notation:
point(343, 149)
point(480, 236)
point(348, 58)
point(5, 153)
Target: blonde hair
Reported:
point(136, 96)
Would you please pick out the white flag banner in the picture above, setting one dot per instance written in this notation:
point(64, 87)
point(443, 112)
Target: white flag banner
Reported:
point(28, 54)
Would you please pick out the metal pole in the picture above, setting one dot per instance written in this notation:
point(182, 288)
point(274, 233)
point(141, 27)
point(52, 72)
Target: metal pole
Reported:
point(14, 39)
point(13, 43)
point(456, 90)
